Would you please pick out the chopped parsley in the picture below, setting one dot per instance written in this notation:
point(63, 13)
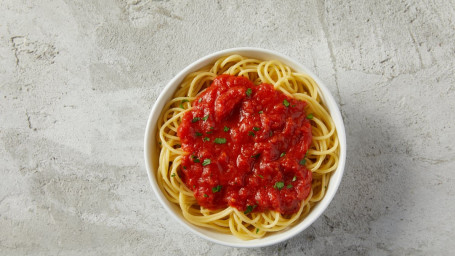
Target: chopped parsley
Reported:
point(289, 186)
point(195, 159)
point(302, 162)
point(249, 92)
point(198, 134)
point(255, 156)
point(250, 133)
point(200, 99)
point(173, 175)
point(279, 185)
point(260, 176)
point(206, 139)
point(249, 209)
point(286, 103)
point(260, 112)
point(205, 195)
point(226, 129)
point(209, 132)
point(310, 116)
point(256, 128)
point(181, 103)
point(206, 162)
point(211, 127)
point(257, 230)
point(282, 154)
point(294, 178)
point(220, 140)
point(205, 118)
point(216, 189)
point(195, 119)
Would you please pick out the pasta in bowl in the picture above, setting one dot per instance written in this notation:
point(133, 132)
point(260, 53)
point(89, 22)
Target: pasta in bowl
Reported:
point(245, 147)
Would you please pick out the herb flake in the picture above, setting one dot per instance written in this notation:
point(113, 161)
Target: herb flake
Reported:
point(206, 162)
point(279, 185)
point(216, 189)
point(249, 209)
point(249, 92)
point(226, 129)
point(220, 140)
point(181, 103)
point(310, 116)
point(286, 103)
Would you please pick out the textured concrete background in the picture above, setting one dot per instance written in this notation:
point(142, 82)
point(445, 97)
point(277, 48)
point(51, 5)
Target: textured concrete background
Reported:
point(78, 79)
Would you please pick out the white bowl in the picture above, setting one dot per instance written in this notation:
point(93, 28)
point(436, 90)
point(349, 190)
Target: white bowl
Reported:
point(151, 152)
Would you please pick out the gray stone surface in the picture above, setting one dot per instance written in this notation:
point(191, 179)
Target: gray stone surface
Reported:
point(78, 79)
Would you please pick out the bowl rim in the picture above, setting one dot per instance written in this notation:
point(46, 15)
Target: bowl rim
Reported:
point(259, 53)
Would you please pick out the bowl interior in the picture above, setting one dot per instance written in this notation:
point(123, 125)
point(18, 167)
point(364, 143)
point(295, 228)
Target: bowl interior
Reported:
point(151, 151)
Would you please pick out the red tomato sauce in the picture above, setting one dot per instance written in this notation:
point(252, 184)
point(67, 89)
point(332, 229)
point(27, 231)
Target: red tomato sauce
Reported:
point(246, 147)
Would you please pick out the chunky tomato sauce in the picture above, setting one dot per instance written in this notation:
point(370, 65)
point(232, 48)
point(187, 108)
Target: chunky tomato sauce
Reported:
point(246, 147)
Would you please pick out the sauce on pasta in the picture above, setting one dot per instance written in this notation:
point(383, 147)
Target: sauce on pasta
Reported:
point(245, 147)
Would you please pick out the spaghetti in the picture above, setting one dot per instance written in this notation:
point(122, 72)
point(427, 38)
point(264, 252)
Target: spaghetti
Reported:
point(321, 159)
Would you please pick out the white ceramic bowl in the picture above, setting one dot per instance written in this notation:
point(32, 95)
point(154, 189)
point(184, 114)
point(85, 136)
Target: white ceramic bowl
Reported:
point(151, 153)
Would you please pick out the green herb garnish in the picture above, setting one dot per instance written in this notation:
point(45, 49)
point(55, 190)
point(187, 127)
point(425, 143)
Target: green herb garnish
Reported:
point(310, 116)
point(255, 156)
point(257, 230)
point(260, 176)
point(302, 162)
point(206, 162)
point(260, 112)
point(294, 178)
point(289, 186)
point(256, 128)
point(279, 185)
point(249, 92)
point(181, 103)
point(282, 154)
point(249, 209)
point(216, 189)
point(220, 140)
point(206, 139)
point(226, 129)
point(173, 175)
point(198, 134)
point(250, 133)
point(205, 118)
point(195, 119)
point(205, 195)
point(286, 103)
point(200, 99)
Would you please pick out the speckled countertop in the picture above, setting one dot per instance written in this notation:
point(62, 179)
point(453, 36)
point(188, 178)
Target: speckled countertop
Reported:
point(78, 80)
